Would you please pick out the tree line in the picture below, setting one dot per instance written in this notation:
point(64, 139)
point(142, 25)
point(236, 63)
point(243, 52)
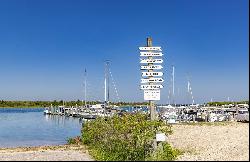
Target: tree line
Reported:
point(226, 103)
point(4, 103)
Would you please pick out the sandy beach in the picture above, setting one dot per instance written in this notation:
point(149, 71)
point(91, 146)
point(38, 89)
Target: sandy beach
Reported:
point(46, 153)
point(229, 142)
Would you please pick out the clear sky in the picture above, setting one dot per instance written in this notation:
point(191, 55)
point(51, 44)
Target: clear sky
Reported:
point(45, 45)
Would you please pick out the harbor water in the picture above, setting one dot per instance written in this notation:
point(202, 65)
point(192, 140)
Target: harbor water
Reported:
point(30, 127)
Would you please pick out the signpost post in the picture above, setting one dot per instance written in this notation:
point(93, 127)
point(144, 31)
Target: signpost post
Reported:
point(149, 84)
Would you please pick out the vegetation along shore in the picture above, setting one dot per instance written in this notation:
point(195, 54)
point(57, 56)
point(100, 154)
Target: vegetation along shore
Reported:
point(39, 104)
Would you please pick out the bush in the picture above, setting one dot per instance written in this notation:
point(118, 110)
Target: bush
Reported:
point(75, 140)
point(164, 152)
point(129, 137)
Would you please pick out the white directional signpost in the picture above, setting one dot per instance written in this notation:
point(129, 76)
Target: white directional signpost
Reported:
point(152, 73)
point(152, 77)
point(151, 61)
point(151, 67)
point(153, 80)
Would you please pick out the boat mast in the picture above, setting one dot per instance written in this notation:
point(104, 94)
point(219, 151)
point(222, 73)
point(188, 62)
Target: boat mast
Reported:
point(85, 84)
point(106, 83)
point(105, 97)
point(190, 91)
point(173, 83)
point(188, 84)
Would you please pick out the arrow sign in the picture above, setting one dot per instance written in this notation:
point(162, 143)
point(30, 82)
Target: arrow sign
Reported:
point(152, 80)
point(151, 86)
point(152, 94)
point(151, 54)
point(151, 67)
point(150, 48)
point(152, 73)
point(151, 61)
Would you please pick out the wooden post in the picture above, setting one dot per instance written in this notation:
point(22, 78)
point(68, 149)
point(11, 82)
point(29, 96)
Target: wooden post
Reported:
point(151, 103)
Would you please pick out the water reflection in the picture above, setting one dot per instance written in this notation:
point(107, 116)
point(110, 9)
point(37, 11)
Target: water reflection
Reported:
point(30, 127)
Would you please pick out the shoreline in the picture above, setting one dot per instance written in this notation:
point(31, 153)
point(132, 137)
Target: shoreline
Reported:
point(67, 152)
point(42, 147)
point(199, 142)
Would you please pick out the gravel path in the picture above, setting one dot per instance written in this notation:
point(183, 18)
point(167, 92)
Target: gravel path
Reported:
point(45, 153)
point(228, 142)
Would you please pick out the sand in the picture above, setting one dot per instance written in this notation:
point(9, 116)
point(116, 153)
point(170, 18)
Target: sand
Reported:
point(229, 142)
point(45, 153)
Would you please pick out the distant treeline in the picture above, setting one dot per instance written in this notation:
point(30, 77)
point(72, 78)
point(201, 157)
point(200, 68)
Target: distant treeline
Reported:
point(226, 103)
point(79, 103)
point(61, 102)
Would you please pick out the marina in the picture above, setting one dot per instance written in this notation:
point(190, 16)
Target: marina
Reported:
point(124, 81)
point(168, 113)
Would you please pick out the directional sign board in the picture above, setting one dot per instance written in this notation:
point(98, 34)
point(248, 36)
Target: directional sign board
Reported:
point(147, 61)
point(151, 67)
point(150, 57)
point(151, 54)
point(152, 73)
point(151, 86)
point(152, 94)
point(152, 80)
point(150, 48)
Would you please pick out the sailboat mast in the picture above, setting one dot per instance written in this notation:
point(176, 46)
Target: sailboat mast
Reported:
point(105, 97)
point(108, 79)
point(173, 82)
point(106, 82)
point(85, 84)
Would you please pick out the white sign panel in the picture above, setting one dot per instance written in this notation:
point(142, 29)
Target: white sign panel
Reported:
point(150, 48)
point(161, 137)
point(152, 73)
point(152, 94)
point(151, 86)
point(151, 54)
point(153, 80)
point(151, 67)
point(151, 61)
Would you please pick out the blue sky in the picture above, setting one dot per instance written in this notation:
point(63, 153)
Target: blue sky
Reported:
point(46, 44)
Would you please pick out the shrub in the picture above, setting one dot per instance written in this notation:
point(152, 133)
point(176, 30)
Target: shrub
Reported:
point(75, 140)
point(129, 137)
point(164, 152)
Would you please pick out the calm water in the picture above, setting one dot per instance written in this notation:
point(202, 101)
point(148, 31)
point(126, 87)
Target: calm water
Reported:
point(29, 127)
